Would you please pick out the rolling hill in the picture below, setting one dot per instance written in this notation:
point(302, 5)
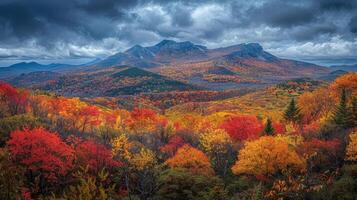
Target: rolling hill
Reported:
point(113, 81)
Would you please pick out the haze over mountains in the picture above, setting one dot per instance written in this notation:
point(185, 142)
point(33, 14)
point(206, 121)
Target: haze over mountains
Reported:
point(166, 66)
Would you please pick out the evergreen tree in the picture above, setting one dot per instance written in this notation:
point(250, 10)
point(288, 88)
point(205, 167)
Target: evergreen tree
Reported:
point(292, 112)
point(354, 110)
point(269, 129)
point(343, 116)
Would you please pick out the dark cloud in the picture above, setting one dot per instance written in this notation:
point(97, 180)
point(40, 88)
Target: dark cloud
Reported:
point(90, 28)
point(353, 25)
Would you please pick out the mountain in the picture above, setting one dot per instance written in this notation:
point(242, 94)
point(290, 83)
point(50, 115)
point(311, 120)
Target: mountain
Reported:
point(112, 81)
point(185, 61)
point(34, 79)
point(164, 52)
point(28, 67)
point(347, 68)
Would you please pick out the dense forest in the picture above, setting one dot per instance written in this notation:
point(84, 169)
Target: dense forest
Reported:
point(295, 140)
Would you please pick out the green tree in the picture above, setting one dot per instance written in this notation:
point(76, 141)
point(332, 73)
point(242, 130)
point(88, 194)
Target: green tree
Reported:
point(181, 185)
point(343, 115)
point(292, 112)
point(354, 110)
point(269, 129)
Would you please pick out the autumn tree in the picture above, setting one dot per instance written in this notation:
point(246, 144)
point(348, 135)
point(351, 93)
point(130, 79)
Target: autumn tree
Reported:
point(218, 146)
point(292, 112)
point(267, 156)
point(242, 127)
point(95, 156)
point(343, 116)
point(192, 160)
point(171, 147)
point(351, 150)
point(15, 100)
point(42, 153)
point(315, 105)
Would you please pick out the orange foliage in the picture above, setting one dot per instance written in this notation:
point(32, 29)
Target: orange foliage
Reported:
point(267, 155)
point(191, 159)
point(347, 81)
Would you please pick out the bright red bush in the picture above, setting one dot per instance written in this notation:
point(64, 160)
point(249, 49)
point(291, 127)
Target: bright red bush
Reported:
point(95, 156)
point(41, 151)
point(242, 127)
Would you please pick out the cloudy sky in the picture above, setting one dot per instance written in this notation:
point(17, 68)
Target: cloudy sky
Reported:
point(72, 31)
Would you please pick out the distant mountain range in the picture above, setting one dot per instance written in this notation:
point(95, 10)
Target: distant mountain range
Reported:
point(27, 67)
point(347, 68)
point(166, 66)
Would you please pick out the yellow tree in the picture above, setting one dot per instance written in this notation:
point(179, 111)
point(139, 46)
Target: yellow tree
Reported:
point(191, 159)
point(267, 156)
point(351, 150)
point(218, 145)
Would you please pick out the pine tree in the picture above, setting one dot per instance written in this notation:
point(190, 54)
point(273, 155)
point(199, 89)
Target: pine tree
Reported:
point(343, 116)
point(292, 112)
point(269, 129)
point(354, 110)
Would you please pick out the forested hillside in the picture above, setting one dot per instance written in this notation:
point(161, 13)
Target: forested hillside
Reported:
point(294, 140)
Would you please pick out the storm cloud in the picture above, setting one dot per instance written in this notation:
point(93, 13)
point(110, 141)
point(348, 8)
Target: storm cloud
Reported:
point(306, 29)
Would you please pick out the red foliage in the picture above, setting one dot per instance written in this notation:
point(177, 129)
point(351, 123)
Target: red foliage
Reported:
point(141, 113)
point(242, 127)
point(95, 156)
point(316, 145)
point(279, 128)
point(174, 143)
point(89, 116)
point(41, 151)
point(16, 99)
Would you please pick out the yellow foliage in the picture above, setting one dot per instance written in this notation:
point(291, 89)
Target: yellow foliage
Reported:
point(291, 140)
point(121, 147)
point(143, 160)
point(267, 155)
point(351, 150)
point(215, 141)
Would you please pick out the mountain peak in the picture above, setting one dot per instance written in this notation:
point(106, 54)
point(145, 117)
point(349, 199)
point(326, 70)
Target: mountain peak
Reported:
point(165, 42)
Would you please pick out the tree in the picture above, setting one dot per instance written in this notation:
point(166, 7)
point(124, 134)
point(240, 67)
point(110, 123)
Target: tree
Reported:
point(241, 128)
point(351, 150)
point(11, 177)
point(343, 116)
point(176, 184)
point(269, 129)
point(267, 156)
point(292, 112)
point(41, 152)
point(218, 146)
point(95, 156)
point(192, 160)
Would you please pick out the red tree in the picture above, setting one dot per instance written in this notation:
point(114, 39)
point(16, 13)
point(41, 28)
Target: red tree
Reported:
point(16, 100)
point(242, 127)
point(174, 143)
point(95, 156)
point(41, 151)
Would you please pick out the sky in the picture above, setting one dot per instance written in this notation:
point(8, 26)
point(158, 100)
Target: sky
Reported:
point(74, 31)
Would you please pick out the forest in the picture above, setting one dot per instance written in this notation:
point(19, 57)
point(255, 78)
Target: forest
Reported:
point(304, 147)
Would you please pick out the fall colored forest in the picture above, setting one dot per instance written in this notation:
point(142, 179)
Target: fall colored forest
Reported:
point(294, 140)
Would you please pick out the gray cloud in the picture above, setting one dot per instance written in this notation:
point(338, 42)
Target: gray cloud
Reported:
point(91, 28)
